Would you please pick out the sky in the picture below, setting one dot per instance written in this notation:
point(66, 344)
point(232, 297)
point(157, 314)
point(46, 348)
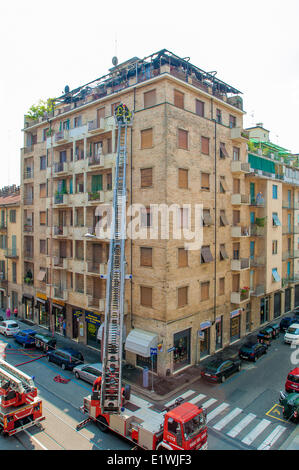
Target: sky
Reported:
point(45, 46)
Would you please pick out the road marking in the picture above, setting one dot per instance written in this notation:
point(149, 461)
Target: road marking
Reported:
point(227, 419)
point(256, 432)
point(277, 409)
point(36, 440)
point(208, 403)
point(184, 395)
point(272, 438)
point(140, 402)
point(197, 398)
point(241, 425)
point(216, 411)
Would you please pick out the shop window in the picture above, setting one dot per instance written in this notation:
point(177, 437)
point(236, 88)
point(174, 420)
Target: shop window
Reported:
point(181, 353)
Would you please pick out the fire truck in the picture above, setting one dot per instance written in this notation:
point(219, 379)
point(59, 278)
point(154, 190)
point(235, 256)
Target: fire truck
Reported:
point(182, 426)
point(20, 406)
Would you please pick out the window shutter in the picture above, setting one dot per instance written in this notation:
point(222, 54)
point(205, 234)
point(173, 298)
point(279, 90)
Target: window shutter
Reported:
point(149, 98)
point(235, 282)
point(206, 254)
point(221, 285)
point(205, 181)
point(183, 178)
point(146, 256)
point(207, 219)
point(96, 183)
point(236, 217)
point(182, 257)
point(42, 190)
point(205, 287)
point(179, 99)
point(147, 138)
point(42, 219)
point(146, 177)
point(100, 115)
point(146, 296)
point(183, 139)
point(205, 145)
point(200, 108)
point(236, 186)
point(223, 151)
point(182, 296)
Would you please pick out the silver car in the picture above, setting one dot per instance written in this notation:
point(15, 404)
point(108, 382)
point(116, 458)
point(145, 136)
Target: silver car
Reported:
point(88, 372)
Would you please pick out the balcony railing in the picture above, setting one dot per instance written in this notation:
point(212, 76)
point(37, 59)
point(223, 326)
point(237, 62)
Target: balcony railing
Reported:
point(95, 160)
point(60, 293)
point(238, 199)
point(239, 264)
point(62, 136)
point(240, 231)
point(96, 125)
point(28, 173)
point(11, 253)
point(97, 196)
point(240, 167)
point(60, 167)
point(240, 135)
point(257, 231)
point(28, 200)
point(3, 226)
point(257, 261)
point(258, 290)
point(61, 199)
point(28, 228)
point(239, 297)
point(28, 253)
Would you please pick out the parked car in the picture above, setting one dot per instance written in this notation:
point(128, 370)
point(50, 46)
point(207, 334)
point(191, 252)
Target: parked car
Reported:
point(252, 351)
point(290, 404)
point(45, 342)
point(218, 370)
point(88, 372)
point(9, 327)
point(292, 334)
point(292, 382)
point(286, 322)
point(66, 358)
point(25, 337)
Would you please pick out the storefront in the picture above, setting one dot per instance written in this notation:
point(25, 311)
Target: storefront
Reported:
point(218, 333)
point(277, 304)
point(248, 317)
point(181, 353)
point(204, 338)
point(28, 302)
point(287, 300)
point(297, 296)
point(2, 298)
point(77, 314)
point(140, 343)
point(235, 325)
point(93, 322)
point(42, 309)
point(59, 315)
point(264, 310)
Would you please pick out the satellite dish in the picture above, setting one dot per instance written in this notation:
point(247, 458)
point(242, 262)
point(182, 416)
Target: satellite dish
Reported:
point(114, 61)
point(66, 89)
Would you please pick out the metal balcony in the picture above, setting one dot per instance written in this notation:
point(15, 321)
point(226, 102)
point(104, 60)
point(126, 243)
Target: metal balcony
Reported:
point(240, 264)
point(238, 199)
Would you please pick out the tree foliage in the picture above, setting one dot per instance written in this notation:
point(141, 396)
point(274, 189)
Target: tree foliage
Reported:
point(39, 110)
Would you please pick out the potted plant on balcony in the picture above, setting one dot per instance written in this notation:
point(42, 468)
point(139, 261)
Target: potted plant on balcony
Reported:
point(244, 292)
point(94, 196)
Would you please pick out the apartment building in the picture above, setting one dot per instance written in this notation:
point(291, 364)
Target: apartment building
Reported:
point(10, 247)
point(187, 146)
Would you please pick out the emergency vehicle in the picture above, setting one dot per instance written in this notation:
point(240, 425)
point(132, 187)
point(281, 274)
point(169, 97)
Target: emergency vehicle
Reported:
point(181, 426)
point(20, 406)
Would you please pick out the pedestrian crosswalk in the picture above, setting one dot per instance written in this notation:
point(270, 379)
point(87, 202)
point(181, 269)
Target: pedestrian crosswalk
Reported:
point(234, 422)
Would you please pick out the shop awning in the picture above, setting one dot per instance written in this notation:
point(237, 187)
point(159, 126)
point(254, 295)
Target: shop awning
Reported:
point(205, 324)
point(140, 342)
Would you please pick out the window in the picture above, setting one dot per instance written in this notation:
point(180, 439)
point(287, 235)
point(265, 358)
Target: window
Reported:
point(200, 108)
point(179, 99)
point(222, 286)
point(275, 220)
point(182, 258)
point(42, 246)
point(12, 215)
point(274, 191)
point(146, 217)
point(205, 181)
point(42, 218)
point(204, 290)
point(14, 272)
point(108, 181)
point(146, 175)
point(223, 151)
point(206, 255)
point(146, 255)
point(183, 221)
point(182, 296)
point(219, 116)
point(66, 125)
point(183, 178)
point(236, 186)
point(236, 154)
point(109, 145)
point(146, 138)
point(275, 275)
point(42, 163)
point(236, 217)
point(205, 145)
point(223, 254)
point(78, 121)
point(42, 190)
point(274, 247)
point(182, 139)
point(96, 183)
point(146, 294)
point(222, 185)
point(232, 121)
point(149, 98)
point(45, 134)
point(207, 219)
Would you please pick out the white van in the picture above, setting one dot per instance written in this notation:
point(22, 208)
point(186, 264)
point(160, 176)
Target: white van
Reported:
point(292, 334)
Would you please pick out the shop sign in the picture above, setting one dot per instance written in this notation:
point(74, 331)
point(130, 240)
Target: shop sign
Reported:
point(40, 295)
point(235, 313)
point(171, 349)
point(92, 317)
point(77, 313)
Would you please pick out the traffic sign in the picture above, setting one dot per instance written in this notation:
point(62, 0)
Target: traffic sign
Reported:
point(154, 351)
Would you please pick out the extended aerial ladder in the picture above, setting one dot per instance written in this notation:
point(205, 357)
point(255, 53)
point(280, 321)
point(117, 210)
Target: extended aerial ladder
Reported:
point(111, 388)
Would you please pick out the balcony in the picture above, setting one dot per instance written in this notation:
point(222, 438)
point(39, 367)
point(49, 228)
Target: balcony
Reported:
point(61, 137)
point(60, 167)
point(28, 200)
point(28, 253)
point(60, 231)
point(96, 197)
point(60, 293)
point(287, 205)
point(239, 135)
point(96, 161)
point(238, 232)
point(258, 291)
point(28, 173)
point(95, 303)
point(28, 149)
point(3, 226)
point(12, 253)
point(240, 264)
point(238, 199)
point(96, 126)
point(239, 297)
point(239, 167)
point(290, 280)
point(257, 262)
point(257, 231)
point(28, 228)
point(96, 268)
point(287, 230)
point(61, 199)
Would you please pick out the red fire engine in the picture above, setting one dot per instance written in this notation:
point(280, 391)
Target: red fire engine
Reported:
point(20, 406)
point(183, 426)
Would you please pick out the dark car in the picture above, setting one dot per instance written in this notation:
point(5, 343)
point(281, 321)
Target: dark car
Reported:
point(219, 370)
point(66, 358)
point(25, 337)
point(45, 342)
point(292, 382)
point(290, 404)
point(286, 322)
point(252, 351)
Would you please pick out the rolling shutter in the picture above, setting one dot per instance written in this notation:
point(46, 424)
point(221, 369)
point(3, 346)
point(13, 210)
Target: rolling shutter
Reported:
point(183, 139)
point(183, 178)
point(147, 138)
point(146, 256)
